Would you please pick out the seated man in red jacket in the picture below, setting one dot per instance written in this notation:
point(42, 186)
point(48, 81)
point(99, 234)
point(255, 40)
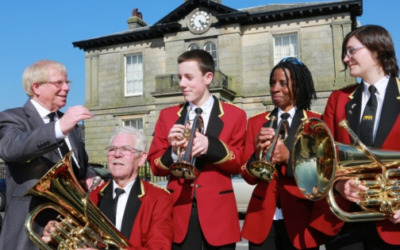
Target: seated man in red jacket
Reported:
point(143, 212)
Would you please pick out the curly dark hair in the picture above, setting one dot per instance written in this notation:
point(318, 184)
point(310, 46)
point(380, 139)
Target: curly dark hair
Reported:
point(302, 82)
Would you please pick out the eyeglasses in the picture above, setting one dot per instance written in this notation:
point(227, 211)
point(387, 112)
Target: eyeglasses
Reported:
point(292, 60)
point(350, 51)
point(58, 84)
point(125, 150)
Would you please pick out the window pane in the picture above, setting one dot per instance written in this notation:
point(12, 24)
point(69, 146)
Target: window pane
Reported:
point(134, 75)
point(211, 48)
point(193, 46)
point(285, 46)
point(136, 123)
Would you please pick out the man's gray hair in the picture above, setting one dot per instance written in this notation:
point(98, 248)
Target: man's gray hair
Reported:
point(39, 73)
point(141, 140)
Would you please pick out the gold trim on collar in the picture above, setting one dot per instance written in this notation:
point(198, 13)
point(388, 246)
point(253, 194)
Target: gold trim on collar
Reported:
point(305, 116)
point(141, 188)
point(352, 93)
point(102, 190)
point(268, 116)
point(179, 113)
point(221, 109)
point(398, 86)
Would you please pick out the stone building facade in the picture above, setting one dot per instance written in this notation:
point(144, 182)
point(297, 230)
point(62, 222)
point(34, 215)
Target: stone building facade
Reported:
point(131, 75)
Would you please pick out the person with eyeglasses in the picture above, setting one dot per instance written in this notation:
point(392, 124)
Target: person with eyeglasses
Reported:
point(33, 138)
point(372, 109)
point(140, 210)
point(278, 215)
point(205, 213)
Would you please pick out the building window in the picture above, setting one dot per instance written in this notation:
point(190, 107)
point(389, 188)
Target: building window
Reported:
point(193, 46)
point(133, 122)
point(285, 46)
point(133, 75)
point(211, 48)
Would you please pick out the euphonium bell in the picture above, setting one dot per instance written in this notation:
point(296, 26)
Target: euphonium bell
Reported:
point(319, 161)
point(185, 165)
point(263, 168)
point(82, 224)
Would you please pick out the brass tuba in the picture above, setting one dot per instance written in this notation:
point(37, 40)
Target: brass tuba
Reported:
point(82, 224)
point(263, 168)
point(185, 165)
point(318, 162)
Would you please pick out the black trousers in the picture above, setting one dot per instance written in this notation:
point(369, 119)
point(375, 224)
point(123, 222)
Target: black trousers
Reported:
point(195, 239)
point(358, 236)
point(277, 239)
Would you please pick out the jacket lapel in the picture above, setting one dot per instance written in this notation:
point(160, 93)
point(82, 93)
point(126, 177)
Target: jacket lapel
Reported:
point(215, 124)
point(299, 116)
point(353, 109)
point(214, 127)
point(268, 117)
point(132, 208)
point(390, 107)
point(105, 203)
point(182, 113)
point(35, 120)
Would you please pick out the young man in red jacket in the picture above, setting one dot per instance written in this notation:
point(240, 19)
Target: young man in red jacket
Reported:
point(205, 212)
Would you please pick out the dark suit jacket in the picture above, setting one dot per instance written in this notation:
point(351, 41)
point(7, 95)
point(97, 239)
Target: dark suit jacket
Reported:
point(296, 208)
point(28, 147)
point(346, 104)
point(147, 221)
point(216, 204)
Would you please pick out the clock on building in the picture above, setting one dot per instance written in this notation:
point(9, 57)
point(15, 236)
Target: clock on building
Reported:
point(199, 21)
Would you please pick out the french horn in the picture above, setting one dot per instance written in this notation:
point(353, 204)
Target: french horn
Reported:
point(263, 168)
point(184, 167)
point(319, 161)
point(82, 224)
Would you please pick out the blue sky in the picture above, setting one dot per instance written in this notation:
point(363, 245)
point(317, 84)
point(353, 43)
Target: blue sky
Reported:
point(39, 29)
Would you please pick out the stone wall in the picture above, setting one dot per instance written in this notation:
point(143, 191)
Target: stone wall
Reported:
point(245, 55)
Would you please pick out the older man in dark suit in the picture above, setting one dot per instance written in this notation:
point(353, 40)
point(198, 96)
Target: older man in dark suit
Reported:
point(32, 139)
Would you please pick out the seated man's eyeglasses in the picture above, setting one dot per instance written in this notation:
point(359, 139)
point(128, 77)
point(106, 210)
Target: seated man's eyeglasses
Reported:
point(125, 150)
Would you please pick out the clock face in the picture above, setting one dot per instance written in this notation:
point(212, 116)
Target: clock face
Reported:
point(199, 21)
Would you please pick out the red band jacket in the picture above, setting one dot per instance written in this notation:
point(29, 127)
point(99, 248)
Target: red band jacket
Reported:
point(217, 211)
point(296, 208)
point(147, 220)
point(346, 104)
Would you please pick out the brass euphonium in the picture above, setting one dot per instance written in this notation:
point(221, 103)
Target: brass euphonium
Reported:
point(185, 165)
point(319, 161)
point(82, 224)
point(263, 168)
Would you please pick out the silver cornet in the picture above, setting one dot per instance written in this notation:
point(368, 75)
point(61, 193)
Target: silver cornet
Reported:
point(263, 168)
point(184, 167)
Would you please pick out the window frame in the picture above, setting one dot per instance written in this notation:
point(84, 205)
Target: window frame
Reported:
point(123, 119)
point(139, 93)
point(295, 53)
point(202, 43)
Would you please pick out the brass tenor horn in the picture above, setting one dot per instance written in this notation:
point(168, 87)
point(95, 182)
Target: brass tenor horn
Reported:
point(82, 224)
point(263, 168)
point(185, 165)
point(319, 161)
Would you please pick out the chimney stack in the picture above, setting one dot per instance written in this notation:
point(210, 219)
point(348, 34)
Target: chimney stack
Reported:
point(217, 1)
point(136, 20)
